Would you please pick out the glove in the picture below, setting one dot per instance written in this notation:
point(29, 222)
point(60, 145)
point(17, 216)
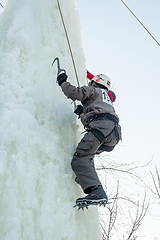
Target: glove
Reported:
point(79, 110)
point(61, 78)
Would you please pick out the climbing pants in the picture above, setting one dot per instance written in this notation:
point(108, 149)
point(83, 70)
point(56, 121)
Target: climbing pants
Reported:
point(82, 162)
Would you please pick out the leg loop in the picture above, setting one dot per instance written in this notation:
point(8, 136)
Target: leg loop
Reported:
point(98, 135)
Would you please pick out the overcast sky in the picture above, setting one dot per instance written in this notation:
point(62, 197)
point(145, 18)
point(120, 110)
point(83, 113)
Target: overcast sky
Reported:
point(114, 43)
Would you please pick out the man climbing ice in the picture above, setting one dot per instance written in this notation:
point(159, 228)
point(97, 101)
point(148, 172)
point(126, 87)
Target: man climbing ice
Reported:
point(103, 131)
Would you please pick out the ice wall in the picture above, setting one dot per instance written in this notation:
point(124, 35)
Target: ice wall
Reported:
point(38, 130)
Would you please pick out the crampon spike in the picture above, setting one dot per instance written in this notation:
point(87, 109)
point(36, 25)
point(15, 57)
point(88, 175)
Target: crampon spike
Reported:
point(86, 204)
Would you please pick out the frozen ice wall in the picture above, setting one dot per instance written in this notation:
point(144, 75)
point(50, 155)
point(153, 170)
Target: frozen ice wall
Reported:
point(38, 130)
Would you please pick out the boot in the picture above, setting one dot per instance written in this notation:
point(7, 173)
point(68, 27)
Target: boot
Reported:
point(97, 195)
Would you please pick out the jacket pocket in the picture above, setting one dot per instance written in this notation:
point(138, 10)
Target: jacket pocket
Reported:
point(84, 144)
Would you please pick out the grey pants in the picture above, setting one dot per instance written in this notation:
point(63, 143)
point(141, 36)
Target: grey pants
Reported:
point(82, 162)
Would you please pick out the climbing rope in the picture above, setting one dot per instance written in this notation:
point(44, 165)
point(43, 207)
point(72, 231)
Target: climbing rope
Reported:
point(140, 22)
point(69, 45)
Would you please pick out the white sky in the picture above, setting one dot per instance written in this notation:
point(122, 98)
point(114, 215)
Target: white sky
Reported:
point(115, 43)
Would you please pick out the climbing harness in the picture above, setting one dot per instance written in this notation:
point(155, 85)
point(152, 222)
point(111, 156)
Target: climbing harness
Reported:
point(140, 22)
point(60, 70)
point(69, 45)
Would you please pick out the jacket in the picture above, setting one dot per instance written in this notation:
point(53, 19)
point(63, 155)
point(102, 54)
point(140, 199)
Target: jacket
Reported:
point(95, 100)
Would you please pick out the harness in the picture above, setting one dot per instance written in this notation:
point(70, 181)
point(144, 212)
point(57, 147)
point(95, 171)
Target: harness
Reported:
point(102, 116)
point(98, 134)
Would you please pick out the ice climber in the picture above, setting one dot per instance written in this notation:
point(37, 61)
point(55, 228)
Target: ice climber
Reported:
point(103, 130)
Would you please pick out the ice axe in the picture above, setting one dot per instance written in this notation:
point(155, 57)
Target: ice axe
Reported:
point(60, 70)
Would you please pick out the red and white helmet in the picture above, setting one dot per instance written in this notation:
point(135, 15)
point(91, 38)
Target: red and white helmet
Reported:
point(103, 80)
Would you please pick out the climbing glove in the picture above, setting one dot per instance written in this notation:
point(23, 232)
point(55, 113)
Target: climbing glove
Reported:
point(61, 78)
point(79, 110)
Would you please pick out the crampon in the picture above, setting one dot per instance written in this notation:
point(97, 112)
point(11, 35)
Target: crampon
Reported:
point(86, 203)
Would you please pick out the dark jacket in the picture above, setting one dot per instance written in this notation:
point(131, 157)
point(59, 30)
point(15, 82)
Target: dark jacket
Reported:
point(95, 100)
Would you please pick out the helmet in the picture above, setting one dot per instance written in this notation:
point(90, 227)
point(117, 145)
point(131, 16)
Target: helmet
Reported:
point(103, 80)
